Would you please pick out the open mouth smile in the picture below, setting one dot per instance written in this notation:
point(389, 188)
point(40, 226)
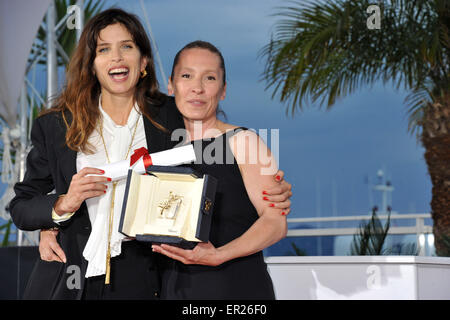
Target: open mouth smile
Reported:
point(119, 74)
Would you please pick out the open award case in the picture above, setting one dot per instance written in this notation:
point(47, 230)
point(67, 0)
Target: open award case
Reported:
point(172, 205)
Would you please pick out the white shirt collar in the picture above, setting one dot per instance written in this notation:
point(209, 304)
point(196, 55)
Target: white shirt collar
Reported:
point(111, 126)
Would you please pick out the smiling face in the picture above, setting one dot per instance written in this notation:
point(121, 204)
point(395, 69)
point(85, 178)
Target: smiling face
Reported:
point(197, 84)
point(118, 62)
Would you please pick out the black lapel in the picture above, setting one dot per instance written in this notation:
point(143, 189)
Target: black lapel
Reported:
point(156, 139)
point(68, 161)
point(67, 157)
point(170, 118)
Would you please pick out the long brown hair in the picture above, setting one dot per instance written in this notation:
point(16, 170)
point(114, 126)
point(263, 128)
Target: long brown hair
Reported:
point(81, 93)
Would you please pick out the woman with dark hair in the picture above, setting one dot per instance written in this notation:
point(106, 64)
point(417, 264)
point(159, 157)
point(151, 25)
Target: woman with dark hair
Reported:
point(111, 105)
point(231, 265)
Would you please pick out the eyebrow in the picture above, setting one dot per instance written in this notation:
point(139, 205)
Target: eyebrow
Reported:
point(191, 69)
point(107, 43)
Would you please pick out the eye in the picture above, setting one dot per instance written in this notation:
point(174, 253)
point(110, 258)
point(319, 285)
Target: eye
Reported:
point(186, 75)
point(127, 46)
point(102, 50)
point(211, 78)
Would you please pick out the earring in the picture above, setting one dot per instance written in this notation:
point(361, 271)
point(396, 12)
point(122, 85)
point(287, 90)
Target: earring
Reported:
point(143, 74)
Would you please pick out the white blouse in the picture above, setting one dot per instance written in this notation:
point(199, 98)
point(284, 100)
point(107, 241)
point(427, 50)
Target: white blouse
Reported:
point(117, 139)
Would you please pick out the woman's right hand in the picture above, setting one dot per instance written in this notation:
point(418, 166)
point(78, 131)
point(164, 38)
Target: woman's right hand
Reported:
point(49, 248)
point(81, 188)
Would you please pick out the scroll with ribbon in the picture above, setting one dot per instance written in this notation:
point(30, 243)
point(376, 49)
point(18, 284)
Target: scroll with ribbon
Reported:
point(141, 159)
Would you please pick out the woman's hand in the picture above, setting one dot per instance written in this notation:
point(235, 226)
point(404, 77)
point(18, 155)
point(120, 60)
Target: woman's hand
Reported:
point(81, 188)
point(49, 248)
point(279, 195)
point(203, 254)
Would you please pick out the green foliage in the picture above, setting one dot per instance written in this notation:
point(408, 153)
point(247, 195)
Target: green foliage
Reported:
point(322, 50)
point(404, 249)
point(445, 242)
point(371, 237)
point(297, 250)
point(66, 37)
point(7, 227)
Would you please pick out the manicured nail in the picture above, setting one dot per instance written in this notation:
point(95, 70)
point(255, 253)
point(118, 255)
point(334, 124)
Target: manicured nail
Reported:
point(265, 198)
point(265, 192)
point(271, 205)
point(102, 171)
point(104, 191)
point(109, 179)
point(283, 213)
point(278, 178)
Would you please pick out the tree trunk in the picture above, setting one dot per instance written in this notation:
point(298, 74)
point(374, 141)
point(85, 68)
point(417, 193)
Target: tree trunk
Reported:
point(436, 140)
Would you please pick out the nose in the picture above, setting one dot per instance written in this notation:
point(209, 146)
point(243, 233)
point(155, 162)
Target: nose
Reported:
point(116, 54)
point(197, 86)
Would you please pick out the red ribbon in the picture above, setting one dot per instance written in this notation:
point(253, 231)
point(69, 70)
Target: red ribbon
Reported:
point(141, 153)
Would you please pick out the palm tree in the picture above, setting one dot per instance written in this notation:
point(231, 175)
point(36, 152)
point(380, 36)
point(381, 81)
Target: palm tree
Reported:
point(324, 50)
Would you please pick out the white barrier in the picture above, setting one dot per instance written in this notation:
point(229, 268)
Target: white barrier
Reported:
point(360, 277)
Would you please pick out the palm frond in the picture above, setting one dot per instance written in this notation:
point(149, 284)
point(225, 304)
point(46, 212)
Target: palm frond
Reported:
point(66, 37)
point(322, 51)
point(371, 237)
point(6, 226)
point(297, 250)
point(417, 100)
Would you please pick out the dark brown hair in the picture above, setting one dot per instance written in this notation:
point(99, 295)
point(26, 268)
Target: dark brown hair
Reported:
point(81, 93)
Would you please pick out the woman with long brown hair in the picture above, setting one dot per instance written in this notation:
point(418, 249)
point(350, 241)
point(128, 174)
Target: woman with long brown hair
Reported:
point(111, 105)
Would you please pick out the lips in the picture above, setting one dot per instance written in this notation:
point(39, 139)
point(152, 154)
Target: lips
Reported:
point(119, 73)
point(196, 102)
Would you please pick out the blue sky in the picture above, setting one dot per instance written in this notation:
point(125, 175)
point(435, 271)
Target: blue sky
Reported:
point(318, 149)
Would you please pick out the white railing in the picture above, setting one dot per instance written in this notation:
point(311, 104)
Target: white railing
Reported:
point(419, 228)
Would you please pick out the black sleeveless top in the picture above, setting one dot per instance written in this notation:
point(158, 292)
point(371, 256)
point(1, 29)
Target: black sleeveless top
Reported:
point(241, 278)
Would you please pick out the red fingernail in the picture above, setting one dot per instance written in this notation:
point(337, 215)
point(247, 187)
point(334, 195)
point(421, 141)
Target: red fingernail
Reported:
point(265, 198)
point(271, 205)
point(109, 179)
point(102, 171)
point(265, 192)
point(283, 213)
point(278, 177)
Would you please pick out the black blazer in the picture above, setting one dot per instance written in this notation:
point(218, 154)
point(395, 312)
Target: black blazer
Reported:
point(50, 166)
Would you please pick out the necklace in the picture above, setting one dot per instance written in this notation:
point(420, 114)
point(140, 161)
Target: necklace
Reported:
point(113, 194)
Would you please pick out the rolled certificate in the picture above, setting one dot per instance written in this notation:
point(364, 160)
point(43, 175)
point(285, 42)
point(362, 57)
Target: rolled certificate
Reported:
point(140, 160)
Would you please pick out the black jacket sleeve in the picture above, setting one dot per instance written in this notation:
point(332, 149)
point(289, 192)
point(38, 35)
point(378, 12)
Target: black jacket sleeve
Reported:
point(31, 208)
